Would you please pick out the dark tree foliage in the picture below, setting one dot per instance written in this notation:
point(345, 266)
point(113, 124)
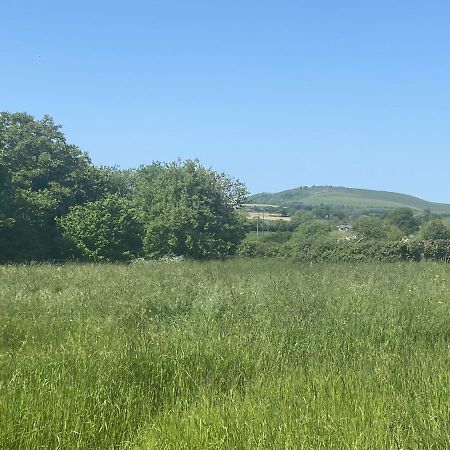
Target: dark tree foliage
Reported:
point(42, 176)
point(5, 184)
point(404, 219)
point(54, 203)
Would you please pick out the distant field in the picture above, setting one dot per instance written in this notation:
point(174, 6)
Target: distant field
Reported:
point(242, 354)
point(265, 205)
point(251, 215)
point(340, 196)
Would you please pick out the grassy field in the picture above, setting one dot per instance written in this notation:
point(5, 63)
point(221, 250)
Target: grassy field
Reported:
point(338, 196)
point(251, 215)
point(243, 354)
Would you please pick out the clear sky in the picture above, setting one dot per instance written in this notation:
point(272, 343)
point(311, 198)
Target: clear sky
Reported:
point(276, 93)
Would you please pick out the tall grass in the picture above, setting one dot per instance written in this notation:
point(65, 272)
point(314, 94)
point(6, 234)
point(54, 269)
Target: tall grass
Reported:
point(234, 355)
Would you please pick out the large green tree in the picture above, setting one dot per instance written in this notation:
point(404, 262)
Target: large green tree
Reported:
point(190, 210)
point(404, 219)
point(371, 227)
point(42, 176)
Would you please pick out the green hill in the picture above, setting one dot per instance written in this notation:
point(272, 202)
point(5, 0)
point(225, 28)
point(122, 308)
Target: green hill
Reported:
point(349, 197)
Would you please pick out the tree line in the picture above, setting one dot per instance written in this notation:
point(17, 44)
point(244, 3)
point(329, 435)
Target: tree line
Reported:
point(400, 234)
point(55, 204)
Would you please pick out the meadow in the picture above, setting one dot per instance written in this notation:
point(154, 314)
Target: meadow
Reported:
point(238, 354)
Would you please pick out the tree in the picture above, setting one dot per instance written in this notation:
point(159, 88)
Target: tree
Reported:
point(300, 217)
point(404, 219)
point(371, 227)
point(427, 215)
point(4, 190)
point(104, 230)
point(311, 231)
point(190, 210)
point(435, 230)
point(42, 176)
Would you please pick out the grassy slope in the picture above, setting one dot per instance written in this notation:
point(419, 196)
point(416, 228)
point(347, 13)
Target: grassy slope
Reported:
point(364, 198)
point(225, 355)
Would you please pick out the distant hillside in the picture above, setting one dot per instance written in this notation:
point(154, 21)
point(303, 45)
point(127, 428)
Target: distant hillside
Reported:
point(341, 196)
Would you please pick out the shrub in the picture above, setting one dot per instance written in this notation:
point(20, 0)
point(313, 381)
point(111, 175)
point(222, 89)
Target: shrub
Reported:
point(371, 227)
point(311, 231)
point(261, 248)
point(404, 219)
point(107, 229)
point(435, 230)
point(360, 250)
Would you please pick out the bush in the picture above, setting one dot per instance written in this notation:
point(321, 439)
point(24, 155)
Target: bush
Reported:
point(276, 237)
point(360, 250)
point(106, 229)
point(261, 248)
point(404, 219)
point(311, 231)
point(435, 230)
point(371, 227)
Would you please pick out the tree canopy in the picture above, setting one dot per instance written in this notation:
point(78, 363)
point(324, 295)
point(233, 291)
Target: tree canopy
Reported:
point(189, 210)
point(104, 230)
point(404, 219)
point(42, 177)
point(371, 227)
point(435, 230)
point(311, 231)
point(54, 203)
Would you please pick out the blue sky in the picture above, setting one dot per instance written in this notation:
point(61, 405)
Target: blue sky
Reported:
point(277, 94)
